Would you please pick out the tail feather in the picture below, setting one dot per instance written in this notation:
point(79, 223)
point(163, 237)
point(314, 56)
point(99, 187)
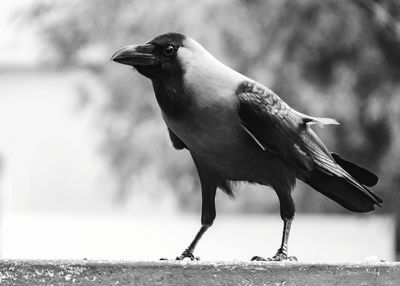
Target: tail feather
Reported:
point(343, 191)
point(362, 175)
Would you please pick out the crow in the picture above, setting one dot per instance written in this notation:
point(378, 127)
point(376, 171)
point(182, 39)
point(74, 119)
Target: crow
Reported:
point(239, 130)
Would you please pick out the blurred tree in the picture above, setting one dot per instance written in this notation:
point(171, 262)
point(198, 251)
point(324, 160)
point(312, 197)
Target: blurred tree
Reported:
point(327, 58)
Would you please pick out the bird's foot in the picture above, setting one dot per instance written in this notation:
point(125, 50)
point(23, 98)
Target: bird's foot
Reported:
point(279, 256)
point(187, 254)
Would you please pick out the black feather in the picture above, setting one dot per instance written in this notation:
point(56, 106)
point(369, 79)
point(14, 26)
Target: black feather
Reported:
point(343, 191)
point(272, 123)
point(227, 187)
point(174, 39)
point(362, 175)
point(282, 131)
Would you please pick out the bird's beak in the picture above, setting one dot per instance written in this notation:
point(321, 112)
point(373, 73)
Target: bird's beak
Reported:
point(135, 55)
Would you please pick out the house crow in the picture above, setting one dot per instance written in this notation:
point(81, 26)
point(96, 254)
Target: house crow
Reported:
point(239, 130)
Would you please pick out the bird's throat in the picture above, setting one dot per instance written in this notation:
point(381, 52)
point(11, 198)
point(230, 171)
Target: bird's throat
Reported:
point(171, 98)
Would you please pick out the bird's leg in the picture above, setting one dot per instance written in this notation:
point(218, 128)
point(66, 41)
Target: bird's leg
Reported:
point(287, 214)
point(207, 218)
point(188, 252)
point(282, 253)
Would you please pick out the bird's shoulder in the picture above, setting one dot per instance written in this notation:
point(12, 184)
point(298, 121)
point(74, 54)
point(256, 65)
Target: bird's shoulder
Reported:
point(256, 100)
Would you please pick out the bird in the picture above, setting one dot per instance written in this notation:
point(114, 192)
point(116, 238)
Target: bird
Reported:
point(238, 130)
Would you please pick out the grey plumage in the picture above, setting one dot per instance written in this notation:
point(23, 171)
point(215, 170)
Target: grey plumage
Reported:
point(238, 130)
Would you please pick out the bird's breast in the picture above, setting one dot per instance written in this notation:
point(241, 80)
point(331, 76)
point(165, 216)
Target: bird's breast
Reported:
point(214, 135)
point(207, 127)
point(210, 121)
point(211, 127)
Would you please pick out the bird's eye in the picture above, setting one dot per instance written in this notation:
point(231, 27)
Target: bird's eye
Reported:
point(168, 50)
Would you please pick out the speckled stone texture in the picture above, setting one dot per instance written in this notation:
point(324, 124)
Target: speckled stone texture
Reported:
point(87, 272)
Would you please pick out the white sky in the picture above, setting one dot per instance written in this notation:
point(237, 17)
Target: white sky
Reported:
point(17, 44)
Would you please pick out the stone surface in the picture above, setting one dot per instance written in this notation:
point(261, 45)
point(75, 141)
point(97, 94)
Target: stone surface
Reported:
point(87, 272)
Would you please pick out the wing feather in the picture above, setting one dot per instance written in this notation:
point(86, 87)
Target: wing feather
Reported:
point(276, 126)
point(286, 132)
point(282, 130)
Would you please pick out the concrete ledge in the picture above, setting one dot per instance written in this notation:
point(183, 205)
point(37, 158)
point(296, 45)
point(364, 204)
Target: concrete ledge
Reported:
point(86, 272)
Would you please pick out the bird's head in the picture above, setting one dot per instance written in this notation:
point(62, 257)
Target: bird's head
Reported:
point(155, 59)
point(180, 69)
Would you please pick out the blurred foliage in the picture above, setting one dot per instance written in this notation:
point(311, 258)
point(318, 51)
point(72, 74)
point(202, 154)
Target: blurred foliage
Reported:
point(332, 58)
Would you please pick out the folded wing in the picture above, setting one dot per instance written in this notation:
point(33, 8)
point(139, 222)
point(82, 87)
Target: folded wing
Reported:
point(278, 128)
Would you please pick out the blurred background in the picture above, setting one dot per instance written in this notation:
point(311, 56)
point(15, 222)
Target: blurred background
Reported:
point(86, 165)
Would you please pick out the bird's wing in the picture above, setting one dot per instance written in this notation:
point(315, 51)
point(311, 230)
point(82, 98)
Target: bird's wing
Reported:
point(282, 130)
point(176, 141)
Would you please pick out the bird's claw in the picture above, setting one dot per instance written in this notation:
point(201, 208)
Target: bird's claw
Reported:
point(279, 256)
point(258, 258)
point(187, 254)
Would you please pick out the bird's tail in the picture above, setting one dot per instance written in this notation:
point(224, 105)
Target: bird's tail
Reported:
point(349, 189)
point(362, 175)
